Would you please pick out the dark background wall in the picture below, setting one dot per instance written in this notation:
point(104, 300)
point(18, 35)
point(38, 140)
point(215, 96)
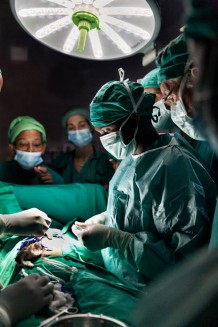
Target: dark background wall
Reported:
point(41, 82)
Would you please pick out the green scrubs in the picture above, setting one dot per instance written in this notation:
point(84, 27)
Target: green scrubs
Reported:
point(204, 153)
point(97, 168)
point(165, 198)
point(11, 172)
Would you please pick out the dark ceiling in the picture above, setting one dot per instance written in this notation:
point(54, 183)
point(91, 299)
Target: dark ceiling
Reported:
point(47, 82)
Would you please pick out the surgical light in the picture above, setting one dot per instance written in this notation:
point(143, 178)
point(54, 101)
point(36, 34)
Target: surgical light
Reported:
point(90, 29)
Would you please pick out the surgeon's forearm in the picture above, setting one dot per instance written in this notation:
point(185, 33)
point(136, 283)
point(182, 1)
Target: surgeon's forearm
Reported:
point(118, 239)
point(4, 318)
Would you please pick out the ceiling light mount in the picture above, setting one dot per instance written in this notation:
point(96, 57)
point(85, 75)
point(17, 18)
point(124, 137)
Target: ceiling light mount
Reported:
point(85, 21)
point(91, 29)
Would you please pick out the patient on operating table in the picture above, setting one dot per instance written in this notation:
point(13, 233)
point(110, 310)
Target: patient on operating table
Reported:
point(53, 243)
point(32, 249)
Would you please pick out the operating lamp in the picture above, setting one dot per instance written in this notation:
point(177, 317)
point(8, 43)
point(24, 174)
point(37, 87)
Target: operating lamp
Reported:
point(90, 29)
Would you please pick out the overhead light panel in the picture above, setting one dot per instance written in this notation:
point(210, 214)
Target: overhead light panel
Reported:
point(90, 29)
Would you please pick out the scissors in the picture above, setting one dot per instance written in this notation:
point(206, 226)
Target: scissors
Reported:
point(67, 311)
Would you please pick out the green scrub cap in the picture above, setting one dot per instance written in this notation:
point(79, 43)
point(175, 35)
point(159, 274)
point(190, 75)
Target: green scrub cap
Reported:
point(172, 59)
point(74, 111)
point(151, 79)
point(112, 103)
point(24, 123)
point(202, 21)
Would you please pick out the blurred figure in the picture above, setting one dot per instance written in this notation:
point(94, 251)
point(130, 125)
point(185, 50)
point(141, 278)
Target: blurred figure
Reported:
point(155, 215)
point(27, 144)
point(202, 32)
point(188, 297)
point(85, 164)
point(185, 297)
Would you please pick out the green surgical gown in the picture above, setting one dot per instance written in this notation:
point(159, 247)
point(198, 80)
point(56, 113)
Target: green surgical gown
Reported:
point(165, 198)
point(97, 168)
point(11, 172)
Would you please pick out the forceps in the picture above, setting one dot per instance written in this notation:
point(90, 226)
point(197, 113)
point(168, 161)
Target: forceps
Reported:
point(67, 311)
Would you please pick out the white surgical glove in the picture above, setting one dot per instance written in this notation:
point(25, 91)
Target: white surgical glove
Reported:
point(25, 223)
point(97, 236)
point(61, 300)
point(21, 299)
point(97, 219)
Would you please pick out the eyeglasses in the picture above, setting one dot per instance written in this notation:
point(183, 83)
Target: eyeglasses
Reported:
point(166, 100)
point(186, 78)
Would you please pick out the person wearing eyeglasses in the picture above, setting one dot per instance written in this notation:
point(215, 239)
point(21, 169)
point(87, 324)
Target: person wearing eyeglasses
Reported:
point(27, 144)
point(156, 214)
point(177, 77)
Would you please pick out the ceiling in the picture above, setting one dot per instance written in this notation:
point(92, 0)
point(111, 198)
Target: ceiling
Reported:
point(42, 82)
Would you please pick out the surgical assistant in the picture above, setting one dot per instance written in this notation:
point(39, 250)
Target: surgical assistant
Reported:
point(177, 77)
point(84, 164)
point(161, 198)
point(27, 144)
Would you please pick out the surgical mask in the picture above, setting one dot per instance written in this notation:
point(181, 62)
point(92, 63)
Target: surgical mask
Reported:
point(184, 122)
point(28, 160)
point(80, 138)
point(163, 115)
point(114, 144)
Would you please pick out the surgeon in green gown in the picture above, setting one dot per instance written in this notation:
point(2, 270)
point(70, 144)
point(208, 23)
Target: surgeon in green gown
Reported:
point(27, 144)
point(161, 198)
point(177, 78)
point(162, 113)
point(84, 164)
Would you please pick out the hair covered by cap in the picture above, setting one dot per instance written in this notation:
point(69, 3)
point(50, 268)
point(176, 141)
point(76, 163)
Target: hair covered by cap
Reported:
point(74, 111)
point(172, 59)
point(24, 123)
point(112, 103)
point(151, 79)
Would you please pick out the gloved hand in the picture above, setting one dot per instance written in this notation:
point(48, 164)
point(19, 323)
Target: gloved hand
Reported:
point(97, 219)
point(25, 223)
point(97, 236)
point(28, 296)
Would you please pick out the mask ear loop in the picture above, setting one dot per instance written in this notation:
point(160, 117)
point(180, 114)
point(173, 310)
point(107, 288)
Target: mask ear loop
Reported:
point(121, 73)
point(135, 105)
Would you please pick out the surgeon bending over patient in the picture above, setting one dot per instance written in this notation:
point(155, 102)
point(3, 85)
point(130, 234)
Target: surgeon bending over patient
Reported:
point(161, 198)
